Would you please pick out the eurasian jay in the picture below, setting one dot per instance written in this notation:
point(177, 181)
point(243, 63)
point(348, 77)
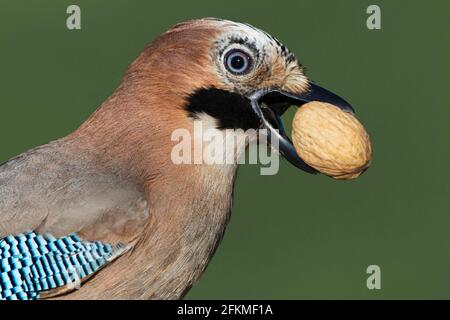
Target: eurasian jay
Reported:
point(104, 213)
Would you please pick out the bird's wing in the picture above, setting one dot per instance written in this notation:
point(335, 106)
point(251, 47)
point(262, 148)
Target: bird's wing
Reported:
point(34, 266)
point(53, 189)
point(58, 194)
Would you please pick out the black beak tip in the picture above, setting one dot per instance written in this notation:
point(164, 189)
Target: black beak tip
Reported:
point(318, 93)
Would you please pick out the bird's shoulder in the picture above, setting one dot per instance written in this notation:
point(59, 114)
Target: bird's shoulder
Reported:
point(58, 190)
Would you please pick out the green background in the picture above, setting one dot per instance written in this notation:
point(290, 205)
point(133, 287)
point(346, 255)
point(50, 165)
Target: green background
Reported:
point(291, 235)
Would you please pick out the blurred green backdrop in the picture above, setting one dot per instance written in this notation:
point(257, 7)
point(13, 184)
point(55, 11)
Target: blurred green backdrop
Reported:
point(292, 235)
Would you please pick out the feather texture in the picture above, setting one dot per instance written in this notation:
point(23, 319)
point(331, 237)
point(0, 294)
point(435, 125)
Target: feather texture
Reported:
point(31, 264)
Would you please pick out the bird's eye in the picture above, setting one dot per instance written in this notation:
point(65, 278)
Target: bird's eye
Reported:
point(237, 62)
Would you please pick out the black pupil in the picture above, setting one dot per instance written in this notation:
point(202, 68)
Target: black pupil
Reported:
point(237, 62)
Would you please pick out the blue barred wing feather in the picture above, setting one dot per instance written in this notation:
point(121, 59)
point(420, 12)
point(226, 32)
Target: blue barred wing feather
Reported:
point(33, 264)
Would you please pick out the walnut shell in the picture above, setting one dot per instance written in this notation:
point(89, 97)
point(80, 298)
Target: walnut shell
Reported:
point(330, 140)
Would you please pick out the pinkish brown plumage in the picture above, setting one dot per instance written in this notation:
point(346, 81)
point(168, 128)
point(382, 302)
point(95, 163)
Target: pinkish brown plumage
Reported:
point(112, 180)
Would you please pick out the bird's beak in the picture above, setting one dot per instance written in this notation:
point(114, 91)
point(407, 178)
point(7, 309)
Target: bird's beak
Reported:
point(269, 104)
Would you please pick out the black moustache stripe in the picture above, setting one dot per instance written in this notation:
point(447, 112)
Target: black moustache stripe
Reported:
point(232, 110)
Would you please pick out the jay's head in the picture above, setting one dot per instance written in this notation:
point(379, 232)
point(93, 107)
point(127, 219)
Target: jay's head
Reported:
point(234, 75)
